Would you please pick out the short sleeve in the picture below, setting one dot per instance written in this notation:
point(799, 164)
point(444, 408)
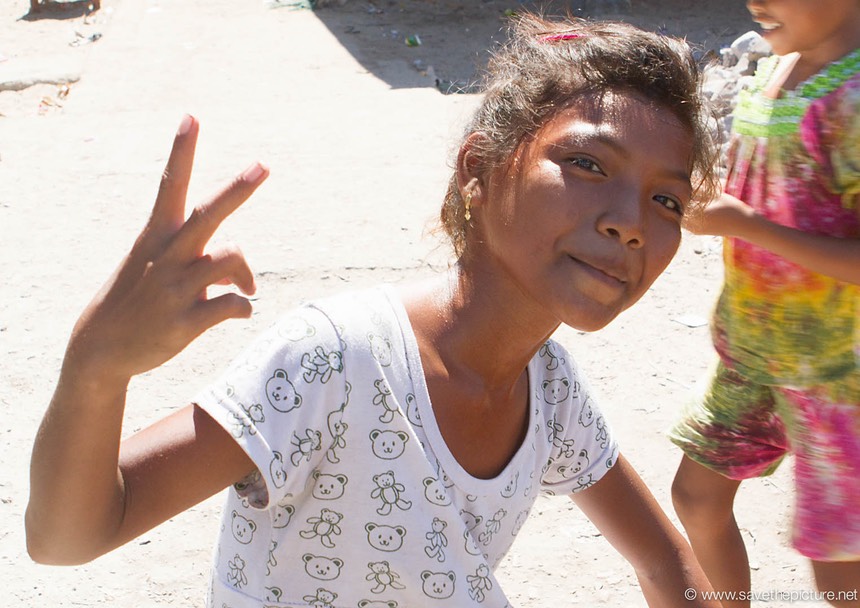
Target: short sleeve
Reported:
point(275, 398)
point(583, 447)
point(830, 130)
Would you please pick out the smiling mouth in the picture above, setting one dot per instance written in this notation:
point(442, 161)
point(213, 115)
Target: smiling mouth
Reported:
point(767, 25)
point(605, 274)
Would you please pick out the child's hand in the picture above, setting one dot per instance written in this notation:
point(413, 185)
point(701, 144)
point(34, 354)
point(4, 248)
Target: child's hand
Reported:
point(724, 216)
point(155, 304)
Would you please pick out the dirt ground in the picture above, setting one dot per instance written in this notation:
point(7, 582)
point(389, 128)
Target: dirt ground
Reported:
point(357, 133)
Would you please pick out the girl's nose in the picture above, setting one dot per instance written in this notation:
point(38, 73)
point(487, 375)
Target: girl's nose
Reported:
point(624, 220)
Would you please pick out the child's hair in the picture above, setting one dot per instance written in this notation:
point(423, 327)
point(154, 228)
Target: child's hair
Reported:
point(546, 65)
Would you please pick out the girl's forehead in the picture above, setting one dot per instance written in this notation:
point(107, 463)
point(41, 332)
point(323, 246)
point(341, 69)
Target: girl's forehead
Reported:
point(612, 111)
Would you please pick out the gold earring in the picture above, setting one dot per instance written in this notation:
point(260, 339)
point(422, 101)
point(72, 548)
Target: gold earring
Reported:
point(468, 205)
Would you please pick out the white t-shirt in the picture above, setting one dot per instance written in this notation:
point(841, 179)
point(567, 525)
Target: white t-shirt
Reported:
point(357, 501)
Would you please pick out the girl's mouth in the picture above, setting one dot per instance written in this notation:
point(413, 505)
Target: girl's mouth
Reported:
point(767, 25)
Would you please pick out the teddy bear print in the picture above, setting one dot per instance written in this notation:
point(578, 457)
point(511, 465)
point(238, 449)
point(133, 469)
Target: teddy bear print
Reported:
point(377, 604)
point(283, 513)
point(520, 521)
point(272, 561)
point(243, 529)
point(601, 436)
point(337, 429)
point(384, 577)
point(323, 599)
point(585, 481)
point(282, 393)
point(389, 492)
point(296, 329)
point(380, 348)
point(547, 351)
point(586, 414)
point(305, 446)
point(472, 522)
point(328, 487)
point(555, 390)
point(610, 460)
point(556, 432)
point(273, 594)
point(385, 538)
point(434, 492)
point(412, 413)
point(276, 470)
point(528, 489)
point(442, 476)
point(479, 583)
point(247, 420)
point(323, 527)
point(321, 364)
point(383, 398)
point(492, 527)
point(581, 463)
point(322, 568)
point(236, 572)
point(388, 445)
point(438, 585)
point(511, 487)
point(437, 541)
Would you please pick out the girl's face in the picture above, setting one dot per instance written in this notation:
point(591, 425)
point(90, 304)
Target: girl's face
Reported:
point(827, 27)
point(589, 213)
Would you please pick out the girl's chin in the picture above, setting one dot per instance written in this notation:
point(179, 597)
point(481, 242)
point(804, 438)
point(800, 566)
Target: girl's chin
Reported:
point(773, 38)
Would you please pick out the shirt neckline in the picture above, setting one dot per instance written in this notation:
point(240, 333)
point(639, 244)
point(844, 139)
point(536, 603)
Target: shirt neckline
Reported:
point(449, 464)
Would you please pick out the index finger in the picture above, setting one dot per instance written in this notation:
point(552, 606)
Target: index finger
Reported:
point(205, 219)
point(168, 214)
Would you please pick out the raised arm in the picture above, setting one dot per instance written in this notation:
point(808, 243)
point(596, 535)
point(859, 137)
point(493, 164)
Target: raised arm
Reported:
point(626, 514)
point(729, 216)
point(88, 494)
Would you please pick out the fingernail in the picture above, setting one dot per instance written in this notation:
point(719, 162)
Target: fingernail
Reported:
point(254, 172)
point(185, 125)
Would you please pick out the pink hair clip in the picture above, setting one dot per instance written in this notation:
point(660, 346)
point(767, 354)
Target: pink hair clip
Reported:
point(560, 37)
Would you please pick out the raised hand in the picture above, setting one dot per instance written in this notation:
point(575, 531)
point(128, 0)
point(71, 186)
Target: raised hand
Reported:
point(156, 302)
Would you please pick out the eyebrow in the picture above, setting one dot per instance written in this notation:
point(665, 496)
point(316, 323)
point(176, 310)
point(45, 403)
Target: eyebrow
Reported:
point(598, 134)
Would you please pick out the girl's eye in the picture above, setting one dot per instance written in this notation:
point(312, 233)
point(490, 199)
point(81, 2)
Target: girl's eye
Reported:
point(670, 203)
point(587, 164)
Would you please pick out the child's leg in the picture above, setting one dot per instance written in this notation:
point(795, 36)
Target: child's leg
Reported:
point(731, 433)
point(704, 503)
point(841, 578)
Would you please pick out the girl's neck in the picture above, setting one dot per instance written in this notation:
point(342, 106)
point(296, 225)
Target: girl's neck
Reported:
point(807, 63)
point(470, 328)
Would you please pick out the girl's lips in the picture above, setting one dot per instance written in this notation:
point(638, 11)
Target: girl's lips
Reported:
point(605, 273)
point(766, 23)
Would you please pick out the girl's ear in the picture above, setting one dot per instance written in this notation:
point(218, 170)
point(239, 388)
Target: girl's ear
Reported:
point(471, 169)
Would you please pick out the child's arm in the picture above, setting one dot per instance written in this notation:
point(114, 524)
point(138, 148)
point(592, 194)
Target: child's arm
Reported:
point(626, 513)
point(831, 256)
point(88, 494)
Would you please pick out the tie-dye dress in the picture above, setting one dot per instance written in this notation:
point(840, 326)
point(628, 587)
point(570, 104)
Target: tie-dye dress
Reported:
point(796, 161)
point(788, 338)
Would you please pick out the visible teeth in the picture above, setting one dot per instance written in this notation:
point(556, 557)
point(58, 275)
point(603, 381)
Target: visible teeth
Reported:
point(769, 26)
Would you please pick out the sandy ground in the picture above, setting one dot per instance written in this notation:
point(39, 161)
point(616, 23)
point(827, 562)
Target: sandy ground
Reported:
point(358, 138)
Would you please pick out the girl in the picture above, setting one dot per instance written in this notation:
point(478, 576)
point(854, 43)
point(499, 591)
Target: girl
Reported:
point(787, 325)
point(384, 447)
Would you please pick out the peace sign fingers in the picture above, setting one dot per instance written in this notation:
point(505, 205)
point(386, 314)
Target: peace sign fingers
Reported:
point(168, 214)
point(205, 219)
point(156, 303)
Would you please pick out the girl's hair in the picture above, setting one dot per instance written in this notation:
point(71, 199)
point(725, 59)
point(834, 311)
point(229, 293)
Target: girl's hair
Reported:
point(545, 65)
